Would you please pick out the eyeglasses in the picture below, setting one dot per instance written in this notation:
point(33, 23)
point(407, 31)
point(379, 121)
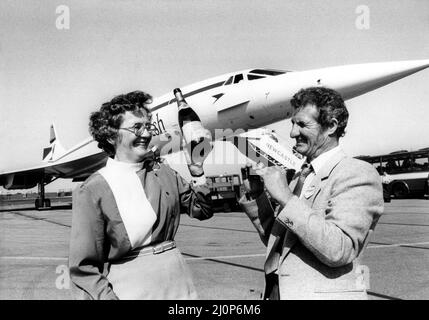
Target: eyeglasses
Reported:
point(139, 128)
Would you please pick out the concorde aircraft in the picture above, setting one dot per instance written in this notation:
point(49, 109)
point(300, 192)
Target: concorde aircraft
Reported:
point(241, 100)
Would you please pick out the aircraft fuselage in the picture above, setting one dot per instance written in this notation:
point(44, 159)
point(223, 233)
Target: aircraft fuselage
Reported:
point(226, 104)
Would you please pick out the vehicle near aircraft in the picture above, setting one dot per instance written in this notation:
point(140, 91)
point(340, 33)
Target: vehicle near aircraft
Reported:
point(226, 104)
point(225, 190)
point(407, 171)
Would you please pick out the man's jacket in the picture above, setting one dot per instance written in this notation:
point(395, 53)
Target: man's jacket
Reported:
point(325, 231)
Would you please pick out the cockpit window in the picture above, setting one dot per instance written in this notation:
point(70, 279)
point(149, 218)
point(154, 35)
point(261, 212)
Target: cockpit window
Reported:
point(229, 81)
point(254, 74)
point(254, 77)
point(268, 72)
point(238, 78)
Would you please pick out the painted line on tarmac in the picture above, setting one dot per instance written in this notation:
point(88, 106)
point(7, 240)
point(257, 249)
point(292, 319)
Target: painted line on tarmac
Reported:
point(40, 219)
point(212, 257)
point(218, 228)
point(379, 295)
point(35, 258)
point(229, 263)
point(192, 258)
point(397, 245)
point(228, 257)
point(404, 224)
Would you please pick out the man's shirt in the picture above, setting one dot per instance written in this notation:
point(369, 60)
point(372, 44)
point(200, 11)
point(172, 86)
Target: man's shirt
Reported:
point(317, 165)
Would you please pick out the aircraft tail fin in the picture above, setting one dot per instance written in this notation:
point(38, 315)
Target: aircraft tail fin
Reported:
point(55, 149)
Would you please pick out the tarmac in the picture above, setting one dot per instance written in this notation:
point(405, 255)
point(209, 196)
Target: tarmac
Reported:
point(224, 254)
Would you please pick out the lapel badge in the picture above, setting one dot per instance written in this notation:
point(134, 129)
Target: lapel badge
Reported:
point(309, 191)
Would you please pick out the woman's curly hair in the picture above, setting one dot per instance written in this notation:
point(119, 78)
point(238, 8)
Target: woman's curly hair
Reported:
point(104, 124)
point(328, 102)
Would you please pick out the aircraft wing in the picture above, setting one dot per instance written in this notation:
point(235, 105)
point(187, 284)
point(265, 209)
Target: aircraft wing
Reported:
point(22, 179)
point(78, 169)
point(78, 163)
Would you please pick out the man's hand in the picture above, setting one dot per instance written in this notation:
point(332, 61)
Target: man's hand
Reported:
point(275, 183)
point(253, 185)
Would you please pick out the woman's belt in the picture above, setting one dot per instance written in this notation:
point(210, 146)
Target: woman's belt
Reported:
point(155, 249)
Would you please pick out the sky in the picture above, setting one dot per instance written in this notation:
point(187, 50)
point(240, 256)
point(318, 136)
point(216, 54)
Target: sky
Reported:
point(51, 74)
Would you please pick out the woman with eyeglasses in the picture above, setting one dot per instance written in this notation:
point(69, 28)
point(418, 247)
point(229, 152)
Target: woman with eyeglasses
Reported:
point(126, 214)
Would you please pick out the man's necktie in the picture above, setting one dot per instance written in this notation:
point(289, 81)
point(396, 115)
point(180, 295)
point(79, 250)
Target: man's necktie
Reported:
point(306, 169)
point(271, 264)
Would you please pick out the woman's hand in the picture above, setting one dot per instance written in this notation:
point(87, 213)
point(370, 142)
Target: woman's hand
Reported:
point(196, 152)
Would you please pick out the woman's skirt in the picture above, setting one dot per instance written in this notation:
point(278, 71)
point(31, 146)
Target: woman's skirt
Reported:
point(149, 276)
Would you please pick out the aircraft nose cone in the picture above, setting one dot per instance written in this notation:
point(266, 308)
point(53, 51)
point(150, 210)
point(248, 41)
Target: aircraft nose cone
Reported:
point(354, 80)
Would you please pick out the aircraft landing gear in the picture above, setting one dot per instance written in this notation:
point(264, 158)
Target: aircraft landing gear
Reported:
point(41, 203)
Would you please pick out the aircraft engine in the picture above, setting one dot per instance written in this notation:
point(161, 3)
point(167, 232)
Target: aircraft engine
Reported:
point(20, 181)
